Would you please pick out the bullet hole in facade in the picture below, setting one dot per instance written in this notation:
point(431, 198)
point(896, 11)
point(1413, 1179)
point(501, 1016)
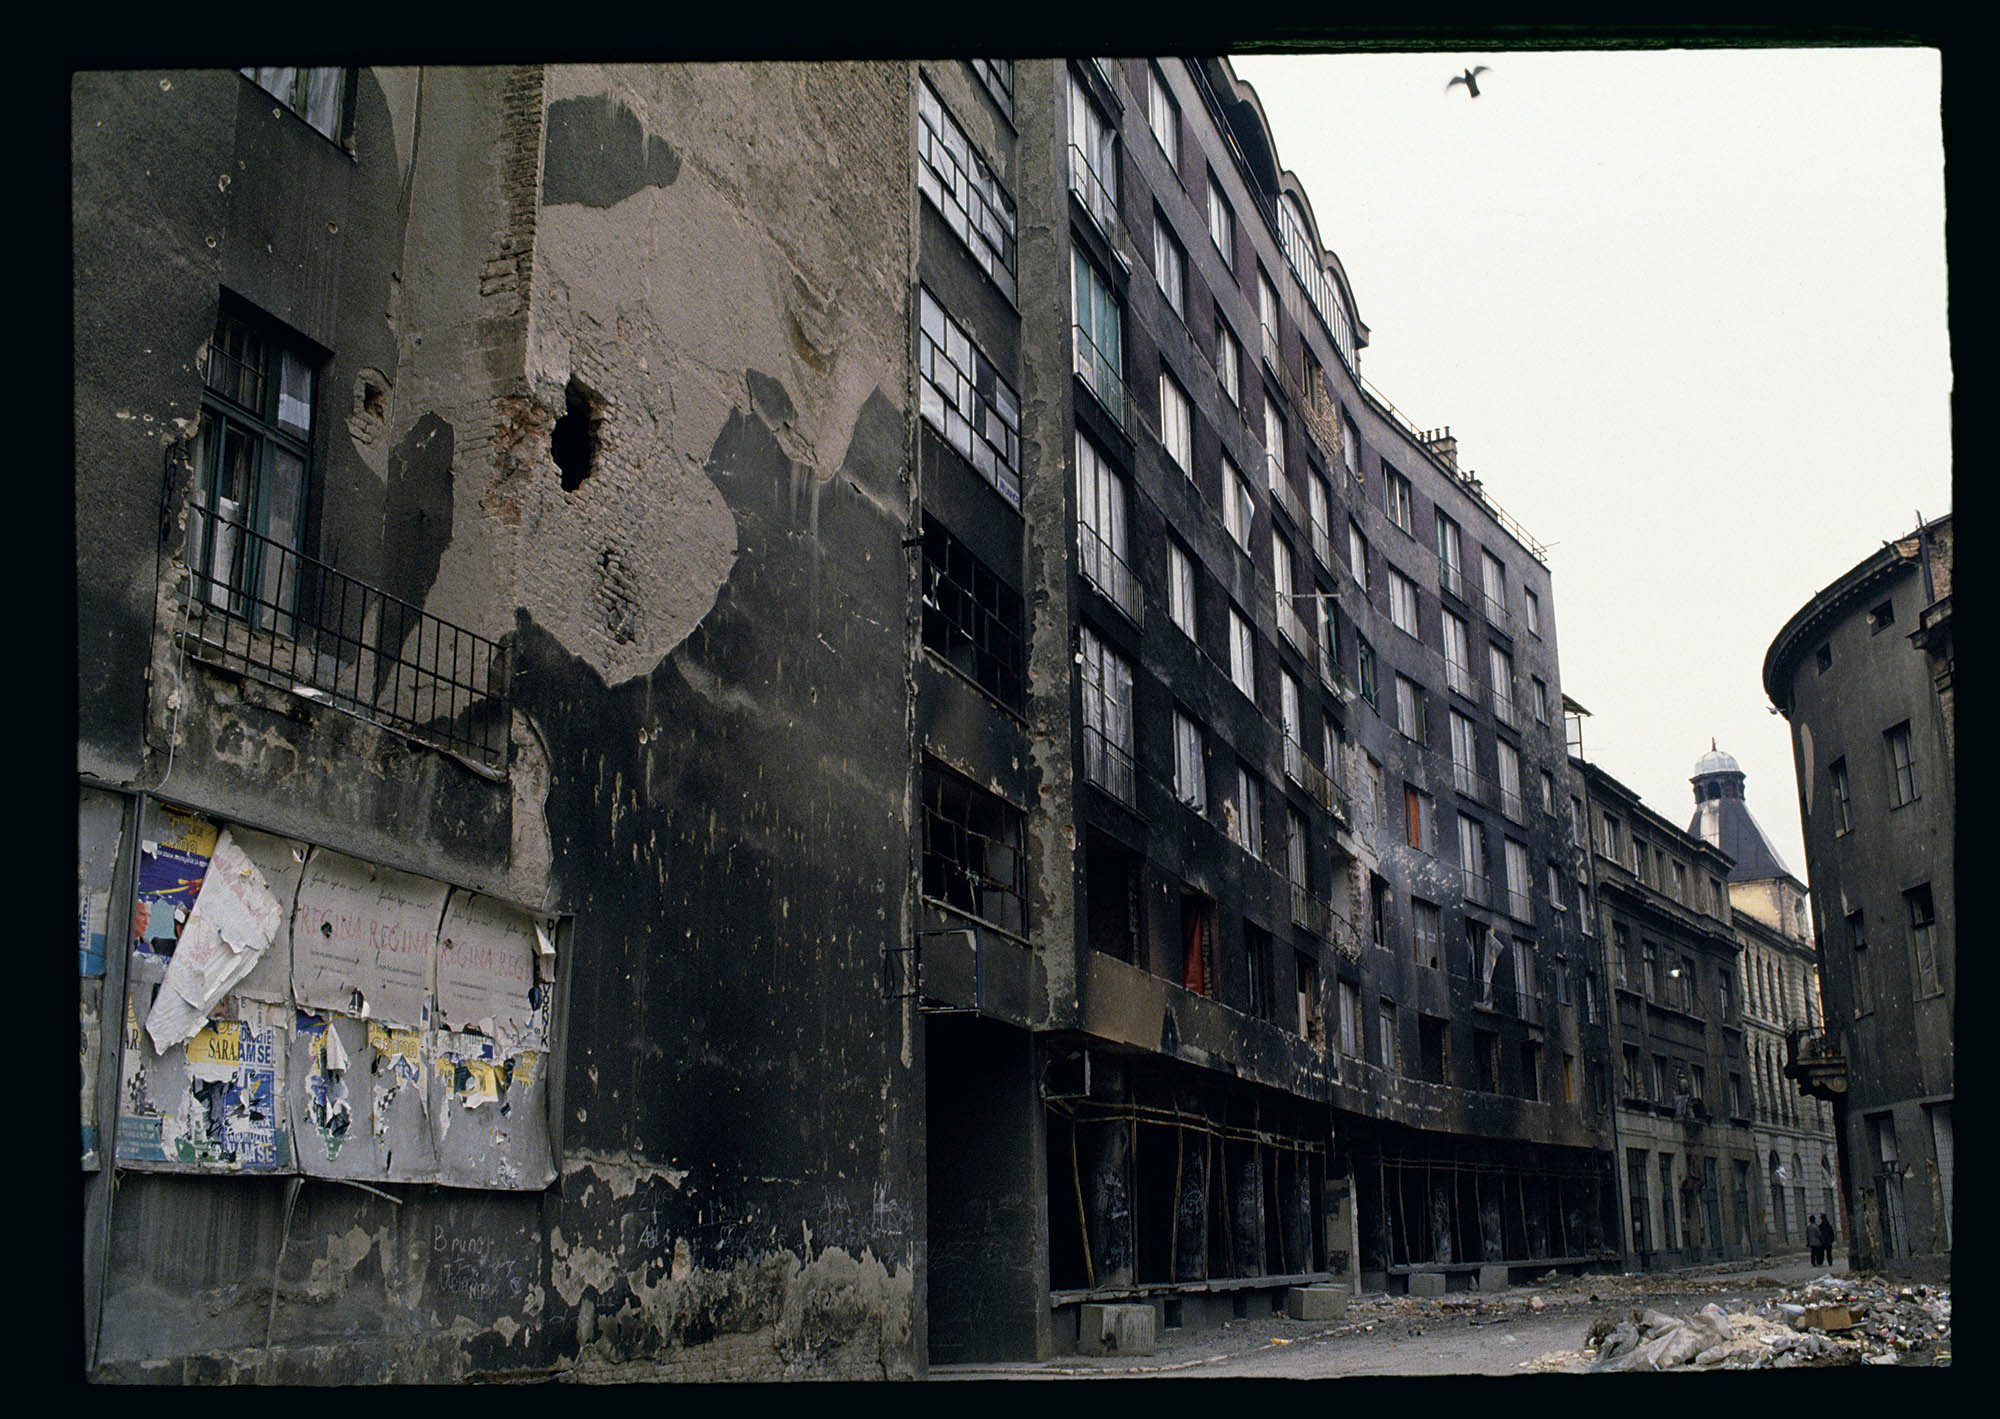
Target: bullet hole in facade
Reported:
point(574, 441)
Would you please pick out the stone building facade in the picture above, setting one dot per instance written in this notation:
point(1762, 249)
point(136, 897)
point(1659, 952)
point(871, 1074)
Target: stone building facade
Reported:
point(768, 720)
point(1665, 927)
point(1863, 673)
point(1779, 977)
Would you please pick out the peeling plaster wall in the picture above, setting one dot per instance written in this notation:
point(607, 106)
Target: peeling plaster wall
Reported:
point(710, 693)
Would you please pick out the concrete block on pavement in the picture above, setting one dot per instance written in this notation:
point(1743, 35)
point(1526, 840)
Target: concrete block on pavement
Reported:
point(1492, 1278)
point(1426, 1283)
point(1315, 1302)
point(1115, 1330)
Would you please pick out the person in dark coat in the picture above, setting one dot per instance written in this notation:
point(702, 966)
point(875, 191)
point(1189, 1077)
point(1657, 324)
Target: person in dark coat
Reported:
point(1812, 1236)
point(1826, 1240)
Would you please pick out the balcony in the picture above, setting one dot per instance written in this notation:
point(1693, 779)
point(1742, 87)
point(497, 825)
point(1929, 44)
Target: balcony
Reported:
point(1475, 886)
point(1281, 489)
point(1293, 629)
point(1521, 906)
point(263, 610)
point(1313, 913)
point(1095, 195)
point(1469, 782)
point(1108, 765)
point(1100, 372)
point(1513, 805)
point(1504, 709)
point(1451, 579)
point(1496, 610)
point(1459, 678)
point(1104, 569)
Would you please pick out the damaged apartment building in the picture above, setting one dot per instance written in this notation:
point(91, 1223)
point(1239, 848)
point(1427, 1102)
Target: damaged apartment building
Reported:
point(782, 719)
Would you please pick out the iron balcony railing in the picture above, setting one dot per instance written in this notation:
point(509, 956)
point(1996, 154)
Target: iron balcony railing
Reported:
point(1520, 906)
point(1458, 676)
point(1104, 569)
point(263, 609)
point(1504, 709)
point(1096, 198)
point(1101, 375)
point(1451, 579)
point(1313, 913)
point(1292, 628)
point(1476, 886)
point(1513, 805)
point(1108, 765)
point(1469, 782)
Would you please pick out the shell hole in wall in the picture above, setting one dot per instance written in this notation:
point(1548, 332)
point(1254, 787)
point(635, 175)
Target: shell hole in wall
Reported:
point(574, 440)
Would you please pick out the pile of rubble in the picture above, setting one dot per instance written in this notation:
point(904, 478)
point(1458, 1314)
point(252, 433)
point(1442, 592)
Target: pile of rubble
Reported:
point(1832, 1321)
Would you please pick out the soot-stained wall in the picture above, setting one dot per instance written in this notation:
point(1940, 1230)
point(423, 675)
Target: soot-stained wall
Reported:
point(709, 617)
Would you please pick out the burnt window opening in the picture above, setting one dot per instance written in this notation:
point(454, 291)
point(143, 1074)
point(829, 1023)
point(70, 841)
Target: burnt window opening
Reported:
point(575, 439)
point(973, 858)
point(972, 618)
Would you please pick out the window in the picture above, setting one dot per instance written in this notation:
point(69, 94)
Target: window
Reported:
point(1297, 847)
point(1449, 555)
point(1532, 606)
point(972, 618)
point(1107, 718)
point(964, 190)
point(1569, 1078)
point(1621, 956)
point(1663, 1079)
point(1531, 1069)
point(1190, 780)
point(1548, 793)
point(1093, 158)
point(964, 398)
point(1239, 509)
point(1350, 448)
point(1357, 554)
point(1882, 616)
point(1319, 501)
point(998, 77)
point(1288, 720)
point(1180, 587)
point(1843, 799)
point(1396, 499)
point(319, 96)
point(1163, 116)
point(1486, 1058)
point(1464, 756)
point(972, 851)
point(1228, 360)
point(1378, 909)
point(1364, 668)
point(1385, 1024)
point(1412, 710)
point(1099, 335)
point(1268, 319)
point(1306, 973)
point(252, 465)
point(1257, 972)
point(1540, 691)
point(1434, 1048)
point(1500, 669)
point(1902, 767)
point(1101, 538)
point(1458, 656)
point(1493, 586)
point(1511, 802)
point(1690, 985)
point(1176, 428)
point(1923, 938)
point(1419, 819)
point(1724, 995)
point(1403, 603)
point(1243, 814)
point(1289, 624)
point(1350, 1018)
point(1632, 1079)
point(1169, 265)
point(1655, 984)
point(1221, 223)
point(1610, 844)
point(1274, 447)
point(1472, 859)
point(1680, 888)
point(1426, 929)
point(1377, 794)
point(1520, 905)
point(1242, 654)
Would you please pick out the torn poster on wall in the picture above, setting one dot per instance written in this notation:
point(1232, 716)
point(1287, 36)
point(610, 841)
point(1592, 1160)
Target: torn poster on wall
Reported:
point(413, 1019)
point(212, 1104)
point(173, 859)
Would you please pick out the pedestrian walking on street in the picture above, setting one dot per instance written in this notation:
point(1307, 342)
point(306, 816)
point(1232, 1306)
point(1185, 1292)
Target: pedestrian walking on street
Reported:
point(1812, 1237)
point(1826, 1239)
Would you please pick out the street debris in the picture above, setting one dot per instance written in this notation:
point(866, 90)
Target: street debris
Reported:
point(1853, 1320)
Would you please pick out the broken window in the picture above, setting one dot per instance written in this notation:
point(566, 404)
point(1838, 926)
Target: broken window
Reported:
point(960, 185)
point(1312, 1023)
point(1486, 1060)
point(1257, 972)
point(1434, 1048)
point(1111, 890)
point(252, 465)
point(1107, 718)
point(1923, 938)
point(1426, 929)
point(291, 1009)
point(971, 617)
point(1190, 780)
point(973, 861)
point(964, 398)
point(319, 96)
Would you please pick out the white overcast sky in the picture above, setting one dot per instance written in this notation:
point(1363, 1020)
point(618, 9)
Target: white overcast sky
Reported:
point(1685, 313)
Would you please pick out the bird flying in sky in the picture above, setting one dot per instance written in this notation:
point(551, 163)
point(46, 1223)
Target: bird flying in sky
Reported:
point(1470, 78)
